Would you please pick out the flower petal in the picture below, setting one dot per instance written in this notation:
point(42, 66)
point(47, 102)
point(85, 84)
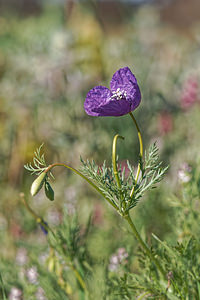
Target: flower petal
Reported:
point(124, 80)
point(96, 97)
point(114, 108)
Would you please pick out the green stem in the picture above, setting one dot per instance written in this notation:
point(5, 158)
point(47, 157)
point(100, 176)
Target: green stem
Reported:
point(71, 266)
point(115, 170)
point(114, 147)
point(144, 246)
point(141, 152)
point(84, 177)
point(78, 276)
point(38, 219)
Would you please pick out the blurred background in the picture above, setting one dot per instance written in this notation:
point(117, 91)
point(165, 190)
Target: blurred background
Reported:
point(51, 54)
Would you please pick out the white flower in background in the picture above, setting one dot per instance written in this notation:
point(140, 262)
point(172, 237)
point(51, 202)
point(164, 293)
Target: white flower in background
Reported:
point(117, 259)
point(32, 275)
point(184, 175)
point(113, 266)
point(15, 294)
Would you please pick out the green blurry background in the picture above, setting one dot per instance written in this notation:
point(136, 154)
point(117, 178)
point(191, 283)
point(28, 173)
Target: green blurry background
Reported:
point(51, 54)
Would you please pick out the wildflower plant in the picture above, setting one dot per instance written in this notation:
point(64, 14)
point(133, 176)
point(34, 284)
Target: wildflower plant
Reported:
point(120, 191)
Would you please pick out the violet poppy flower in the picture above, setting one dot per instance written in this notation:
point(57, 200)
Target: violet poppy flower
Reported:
point(122, 97)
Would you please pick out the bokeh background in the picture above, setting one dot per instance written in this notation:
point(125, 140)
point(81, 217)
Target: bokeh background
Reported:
point(51, 54)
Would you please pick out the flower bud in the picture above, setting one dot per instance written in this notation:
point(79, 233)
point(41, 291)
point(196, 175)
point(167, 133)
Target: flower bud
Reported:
point(38, 183)
point(49, 191)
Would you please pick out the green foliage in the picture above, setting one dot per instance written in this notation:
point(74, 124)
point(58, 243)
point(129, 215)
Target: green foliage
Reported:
point(71, 242)
point(49, 191)
point(152, 173)
point(103, 177)
point(39, 163)
point(181, 263)
point(68, 252)
point(47, 64)
point(38, 168)
point(180, 260)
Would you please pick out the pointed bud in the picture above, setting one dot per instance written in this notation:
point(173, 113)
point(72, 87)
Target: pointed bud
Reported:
point(38, 183)
point(49, 191)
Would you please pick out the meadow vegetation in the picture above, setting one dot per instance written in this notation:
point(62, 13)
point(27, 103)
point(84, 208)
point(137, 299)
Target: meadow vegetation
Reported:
point(77, 246)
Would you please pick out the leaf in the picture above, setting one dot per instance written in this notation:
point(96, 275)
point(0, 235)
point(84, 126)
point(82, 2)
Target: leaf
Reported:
point(49, 191)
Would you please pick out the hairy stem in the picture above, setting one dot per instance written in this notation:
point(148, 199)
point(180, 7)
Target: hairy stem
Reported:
point(114, 150)
point(79, 278)
point(144, 246)
point(115, 170)
point(84, 177)
point(141, 152)
point(71, 266)
point(38, 219)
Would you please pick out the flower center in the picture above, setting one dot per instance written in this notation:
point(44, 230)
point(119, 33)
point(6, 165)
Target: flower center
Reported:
point(118, 95)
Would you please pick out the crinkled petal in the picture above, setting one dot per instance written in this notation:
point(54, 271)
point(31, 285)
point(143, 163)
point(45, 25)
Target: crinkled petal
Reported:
point(134, 97)
point(114, 108)
point(124, 80)
point(96, 97)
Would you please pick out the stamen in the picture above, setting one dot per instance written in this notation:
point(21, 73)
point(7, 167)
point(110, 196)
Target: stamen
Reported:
point(118, 94)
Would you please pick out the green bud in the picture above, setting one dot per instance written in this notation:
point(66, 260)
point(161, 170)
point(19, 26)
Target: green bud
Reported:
point(38, 183)
point(49, 191)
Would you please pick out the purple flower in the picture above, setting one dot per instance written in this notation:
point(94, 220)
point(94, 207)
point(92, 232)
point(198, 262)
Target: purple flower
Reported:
point(123, 97)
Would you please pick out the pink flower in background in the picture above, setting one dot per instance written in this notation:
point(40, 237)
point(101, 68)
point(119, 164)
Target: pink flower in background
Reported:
point(165, 123)
point(32, 275)
point(97, 218)
point(117, 259)
point(189, 93)
point(15, 230)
